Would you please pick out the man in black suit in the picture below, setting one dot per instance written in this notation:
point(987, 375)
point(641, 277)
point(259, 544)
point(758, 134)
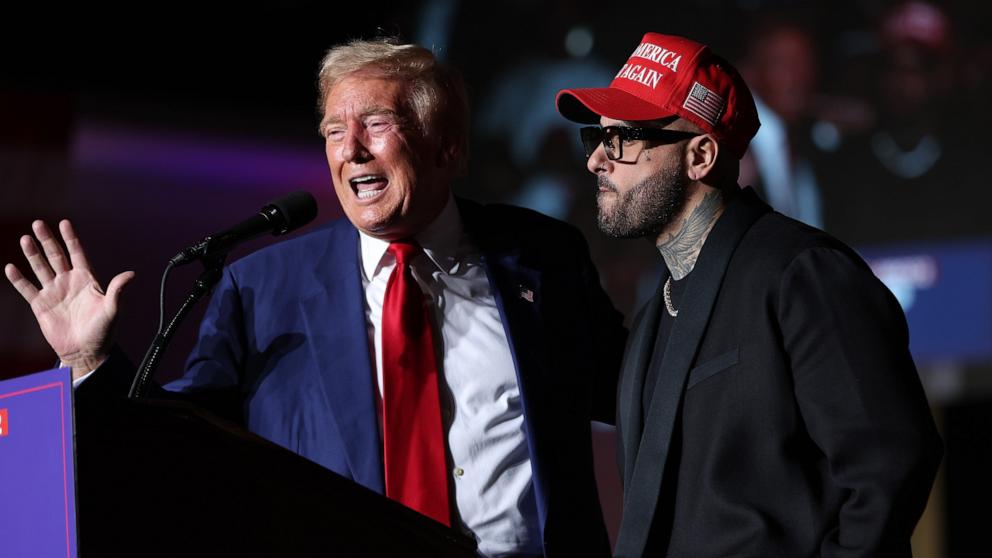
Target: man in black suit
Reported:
point(769, 405)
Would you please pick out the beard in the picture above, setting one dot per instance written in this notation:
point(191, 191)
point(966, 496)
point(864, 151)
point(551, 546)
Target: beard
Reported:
point(647, 208)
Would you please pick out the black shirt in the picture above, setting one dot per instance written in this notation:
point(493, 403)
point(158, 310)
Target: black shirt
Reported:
point(664, 332)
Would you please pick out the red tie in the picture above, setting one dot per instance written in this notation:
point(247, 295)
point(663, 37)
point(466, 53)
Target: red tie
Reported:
point(413, 436)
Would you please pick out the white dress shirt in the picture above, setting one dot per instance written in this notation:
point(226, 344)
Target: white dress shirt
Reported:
point(481, 406)
point(481, 403)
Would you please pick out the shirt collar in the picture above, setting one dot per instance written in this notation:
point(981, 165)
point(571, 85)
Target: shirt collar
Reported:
point(442, 243)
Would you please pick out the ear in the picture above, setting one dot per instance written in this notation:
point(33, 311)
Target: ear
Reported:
point(701, 154)
point(446, 154)
point(450, 157)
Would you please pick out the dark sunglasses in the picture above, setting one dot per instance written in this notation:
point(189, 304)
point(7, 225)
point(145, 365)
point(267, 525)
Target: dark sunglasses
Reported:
point(613, 138)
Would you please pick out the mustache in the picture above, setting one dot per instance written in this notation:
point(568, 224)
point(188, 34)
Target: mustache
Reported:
point(605, 184)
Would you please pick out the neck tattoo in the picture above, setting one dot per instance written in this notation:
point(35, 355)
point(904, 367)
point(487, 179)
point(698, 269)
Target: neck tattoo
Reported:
point(681, 248)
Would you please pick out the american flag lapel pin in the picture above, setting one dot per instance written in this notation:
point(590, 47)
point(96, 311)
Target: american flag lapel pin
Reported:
point(526, 294)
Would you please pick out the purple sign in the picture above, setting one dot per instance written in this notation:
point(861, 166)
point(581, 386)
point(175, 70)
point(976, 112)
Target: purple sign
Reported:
point(37, 484)
point(944, 288)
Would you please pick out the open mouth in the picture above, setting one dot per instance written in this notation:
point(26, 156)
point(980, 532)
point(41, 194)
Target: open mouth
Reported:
point(368, 186)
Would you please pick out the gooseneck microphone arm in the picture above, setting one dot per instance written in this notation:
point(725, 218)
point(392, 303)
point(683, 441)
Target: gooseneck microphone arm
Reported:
point(202, 286)
point(279, 217)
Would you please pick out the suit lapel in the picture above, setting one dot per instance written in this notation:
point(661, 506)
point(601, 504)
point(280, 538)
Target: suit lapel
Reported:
point(687, 332)
point(632, 373)
point(517, 290)
point(335, 318)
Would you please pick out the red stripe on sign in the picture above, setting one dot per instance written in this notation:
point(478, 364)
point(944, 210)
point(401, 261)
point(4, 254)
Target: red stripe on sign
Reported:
point(3, 422)
point(65, 473)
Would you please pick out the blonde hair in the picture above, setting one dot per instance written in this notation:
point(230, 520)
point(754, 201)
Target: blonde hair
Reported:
point(435, 93)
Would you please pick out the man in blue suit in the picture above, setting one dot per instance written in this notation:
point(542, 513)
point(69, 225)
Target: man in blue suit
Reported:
point(526, 344)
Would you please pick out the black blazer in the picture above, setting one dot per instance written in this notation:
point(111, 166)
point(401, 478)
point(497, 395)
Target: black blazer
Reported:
point(788, 418)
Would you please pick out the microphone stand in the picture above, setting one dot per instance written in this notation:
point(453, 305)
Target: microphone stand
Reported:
point(212, 272)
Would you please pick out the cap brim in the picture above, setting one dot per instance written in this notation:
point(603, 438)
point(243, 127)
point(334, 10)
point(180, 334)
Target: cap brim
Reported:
point(586, 106)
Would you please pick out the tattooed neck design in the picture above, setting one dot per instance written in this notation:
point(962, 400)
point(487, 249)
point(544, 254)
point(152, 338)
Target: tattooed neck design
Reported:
point(681, 248)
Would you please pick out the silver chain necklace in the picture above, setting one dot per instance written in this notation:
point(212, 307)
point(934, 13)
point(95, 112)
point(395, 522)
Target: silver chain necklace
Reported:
point(667, 292)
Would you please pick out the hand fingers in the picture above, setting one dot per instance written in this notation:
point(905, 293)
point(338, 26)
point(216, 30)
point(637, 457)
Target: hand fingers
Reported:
point(37, 261)
point(77, 256)
point(115, 286)
point(23, 286)
point(53, 250)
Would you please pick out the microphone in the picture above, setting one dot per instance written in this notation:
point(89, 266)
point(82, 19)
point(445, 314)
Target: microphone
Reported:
point(280, 216)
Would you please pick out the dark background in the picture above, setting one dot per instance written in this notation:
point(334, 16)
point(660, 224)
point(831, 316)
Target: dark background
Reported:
point(153, 125)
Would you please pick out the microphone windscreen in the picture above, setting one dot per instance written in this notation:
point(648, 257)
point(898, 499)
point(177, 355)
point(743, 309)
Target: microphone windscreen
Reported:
point(296, 209)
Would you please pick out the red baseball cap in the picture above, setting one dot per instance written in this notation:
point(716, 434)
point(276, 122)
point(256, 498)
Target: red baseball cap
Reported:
point(672, 76)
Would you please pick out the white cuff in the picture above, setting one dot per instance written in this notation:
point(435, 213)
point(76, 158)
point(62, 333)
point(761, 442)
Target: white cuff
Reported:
point(78, 381)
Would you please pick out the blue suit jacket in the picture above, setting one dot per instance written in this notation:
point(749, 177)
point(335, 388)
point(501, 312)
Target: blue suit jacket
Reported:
point(285, 344)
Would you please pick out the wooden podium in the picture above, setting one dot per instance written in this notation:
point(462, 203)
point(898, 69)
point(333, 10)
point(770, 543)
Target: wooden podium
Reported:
point(161, 478)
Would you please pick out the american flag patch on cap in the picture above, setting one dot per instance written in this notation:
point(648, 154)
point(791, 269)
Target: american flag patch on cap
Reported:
point(704, 103)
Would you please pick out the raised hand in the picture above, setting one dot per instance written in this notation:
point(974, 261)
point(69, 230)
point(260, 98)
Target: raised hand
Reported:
point(75, 315)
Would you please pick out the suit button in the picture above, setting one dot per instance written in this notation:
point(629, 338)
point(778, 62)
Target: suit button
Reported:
point(459, 471)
